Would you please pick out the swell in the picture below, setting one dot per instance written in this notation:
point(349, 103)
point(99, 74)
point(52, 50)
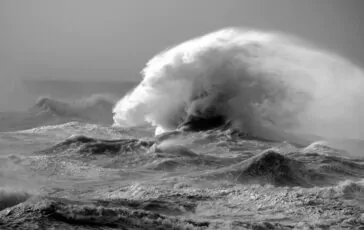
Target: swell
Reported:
point(250, 81)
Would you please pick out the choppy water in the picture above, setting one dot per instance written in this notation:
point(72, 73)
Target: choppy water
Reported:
point(80, 175)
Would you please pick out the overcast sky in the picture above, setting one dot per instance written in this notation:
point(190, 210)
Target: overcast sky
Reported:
point(112, 39)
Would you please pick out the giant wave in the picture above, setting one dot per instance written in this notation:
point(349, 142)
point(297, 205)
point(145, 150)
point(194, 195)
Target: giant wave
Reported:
point(251, 81)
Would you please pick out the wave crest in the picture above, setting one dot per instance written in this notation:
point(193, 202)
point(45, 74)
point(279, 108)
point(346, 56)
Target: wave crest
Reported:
point(253, 80)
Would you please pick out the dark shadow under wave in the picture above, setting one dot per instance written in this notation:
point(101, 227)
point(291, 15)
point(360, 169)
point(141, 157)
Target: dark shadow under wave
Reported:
point(10, 197)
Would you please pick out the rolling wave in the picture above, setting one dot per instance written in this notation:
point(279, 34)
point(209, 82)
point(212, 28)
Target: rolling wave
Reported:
point(251, 81)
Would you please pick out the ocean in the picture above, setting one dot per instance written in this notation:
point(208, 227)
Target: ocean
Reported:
point(233, 130)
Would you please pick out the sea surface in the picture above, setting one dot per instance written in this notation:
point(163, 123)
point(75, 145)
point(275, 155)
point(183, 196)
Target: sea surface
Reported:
point(82, 175)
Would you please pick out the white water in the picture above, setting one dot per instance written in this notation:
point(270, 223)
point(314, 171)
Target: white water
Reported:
point(255, 80)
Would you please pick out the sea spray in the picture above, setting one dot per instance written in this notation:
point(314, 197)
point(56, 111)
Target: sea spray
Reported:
point(255, 80)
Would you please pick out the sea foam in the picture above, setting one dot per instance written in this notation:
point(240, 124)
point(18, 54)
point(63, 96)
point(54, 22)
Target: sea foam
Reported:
point(254, 80)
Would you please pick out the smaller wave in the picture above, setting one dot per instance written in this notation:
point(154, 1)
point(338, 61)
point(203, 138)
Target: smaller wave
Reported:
point(269, 167)
point(88, 145)
point(96, 109)
point(323, 148)
point(294, 169)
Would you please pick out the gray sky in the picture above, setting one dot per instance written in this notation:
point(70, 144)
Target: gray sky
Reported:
point(112, 39)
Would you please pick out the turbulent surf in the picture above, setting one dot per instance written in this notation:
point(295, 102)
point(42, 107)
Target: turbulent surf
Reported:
point(237, 129)
point(251, 81)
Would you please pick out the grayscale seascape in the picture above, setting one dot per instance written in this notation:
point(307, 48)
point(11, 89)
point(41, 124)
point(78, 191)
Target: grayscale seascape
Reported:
point(143, 115)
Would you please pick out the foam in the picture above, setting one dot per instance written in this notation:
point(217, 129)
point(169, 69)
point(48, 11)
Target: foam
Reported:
point(255, 80)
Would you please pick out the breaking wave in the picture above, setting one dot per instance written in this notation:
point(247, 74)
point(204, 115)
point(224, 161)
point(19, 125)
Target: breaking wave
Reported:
point(247, 80)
